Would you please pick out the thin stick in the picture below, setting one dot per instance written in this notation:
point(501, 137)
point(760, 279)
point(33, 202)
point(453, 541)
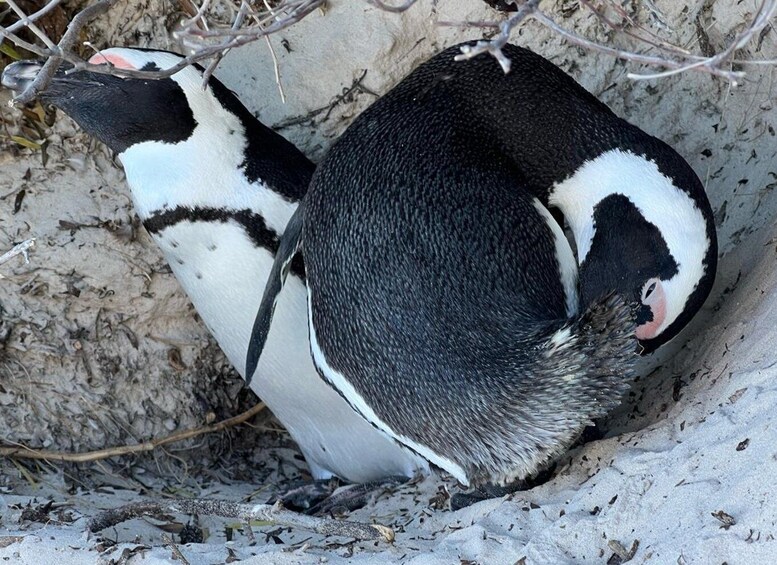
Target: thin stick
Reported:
point(66, 44)
point(19, 249)
point(277, 69)
point(242, 37)
point(176, 551)
point(24, 21)
point(199, 17)
point(296, 11)
point(684, 61)
point(19, 42)
point(241, 14)
point(269, 9)
point(289, 12)
point(731, 76)
point(494, 46)
point(275, 513)
point(31, 25)
point(23, 452)
point(658, 44)
point(765, 13)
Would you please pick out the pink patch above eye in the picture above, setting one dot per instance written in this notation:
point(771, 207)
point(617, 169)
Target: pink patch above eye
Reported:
point(115, 60)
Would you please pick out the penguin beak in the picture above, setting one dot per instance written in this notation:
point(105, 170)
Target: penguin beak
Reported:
point(19, 75)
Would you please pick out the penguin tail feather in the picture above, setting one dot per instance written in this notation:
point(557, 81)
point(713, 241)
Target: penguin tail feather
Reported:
point(592, 359)
point(581, 373)
point(604, 334)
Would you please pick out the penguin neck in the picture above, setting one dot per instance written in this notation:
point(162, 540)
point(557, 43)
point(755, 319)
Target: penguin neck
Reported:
point(659, 201)
point(218, 225)
point(207, 172)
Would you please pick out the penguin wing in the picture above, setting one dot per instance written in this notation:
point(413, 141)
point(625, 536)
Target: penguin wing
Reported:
point(289, 246)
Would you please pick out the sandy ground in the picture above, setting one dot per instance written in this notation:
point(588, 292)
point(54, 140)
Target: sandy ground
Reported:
point(104, 349)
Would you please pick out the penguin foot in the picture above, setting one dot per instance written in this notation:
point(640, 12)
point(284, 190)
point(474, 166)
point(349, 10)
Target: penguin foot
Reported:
point(478, 494)
point(591, 433)
point(302, 496)
point(352, 497)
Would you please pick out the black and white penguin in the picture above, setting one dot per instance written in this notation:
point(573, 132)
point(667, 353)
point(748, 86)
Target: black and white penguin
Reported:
point(444, 300)
point(215, 188)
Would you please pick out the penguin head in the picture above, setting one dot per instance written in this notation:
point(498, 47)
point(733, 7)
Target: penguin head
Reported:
point(643, 229)
point(180, 142)
point(125, 112)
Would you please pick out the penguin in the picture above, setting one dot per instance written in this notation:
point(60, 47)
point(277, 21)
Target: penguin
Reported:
point(444, 302)
point(215, 188)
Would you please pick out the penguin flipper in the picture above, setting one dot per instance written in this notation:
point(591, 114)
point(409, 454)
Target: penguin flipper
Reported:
point(289, 246)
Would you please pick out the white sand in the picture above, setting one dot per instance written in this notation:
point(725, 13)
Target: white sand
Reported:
point(673, 458)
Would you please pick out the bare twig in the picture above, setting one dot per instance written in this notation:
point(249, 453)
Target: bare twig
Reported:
point(19, 249)
point(244, 8)
point(296, 10)
point(299, 9)
point(674, 59)
point(31, 25)
point(276, 68)
point(64, 47)
point(656, 42)
point(252, 23)
point(765, 13)
point(25, 21)
point(176, 551)
point(199, 18)
point(494, 46)
point(19, 42)
point(23, 452)
point(275, 513)
point(627, 55)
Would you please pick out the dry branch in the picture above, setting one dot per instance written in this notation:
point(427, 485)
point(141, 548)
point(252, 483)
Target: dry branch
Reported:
point(494, 46)
point(23, 452)
point(275, 513)
point(251, 23)
point(175, 549)
point(672, 58)
point(25, 21)
point(63, 50)
point(19, 249)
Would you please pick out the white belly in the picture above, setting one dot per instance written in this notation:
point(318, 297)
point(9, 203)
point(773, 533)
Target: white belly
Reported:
point(224, 274)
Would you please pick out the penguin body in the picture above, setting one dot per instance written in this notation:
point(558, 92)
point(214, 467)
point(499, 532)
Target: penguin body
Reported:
point(215, 189)
point(445, 326)
point(444, 306)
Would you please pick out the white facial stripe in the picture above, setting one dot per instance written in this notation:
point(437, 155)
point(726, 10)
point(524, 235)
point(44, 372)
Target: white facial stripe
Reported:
point(565, 259)
point(140, 59)
point(671, 210)
point(358, 403)
point(203, 171)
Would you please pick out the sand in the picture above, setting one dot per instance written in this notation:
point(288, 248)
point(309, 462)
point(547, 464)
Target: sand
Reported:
point(95, 314)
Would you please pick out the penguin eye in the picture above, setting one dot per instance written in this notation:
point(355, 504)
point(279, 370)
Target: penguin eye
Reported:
point(649, 289)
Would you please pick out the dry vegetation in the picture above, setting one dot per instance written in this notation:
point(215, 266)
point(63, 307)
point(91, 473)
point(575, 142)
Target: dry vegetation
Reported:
point(216, 26)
